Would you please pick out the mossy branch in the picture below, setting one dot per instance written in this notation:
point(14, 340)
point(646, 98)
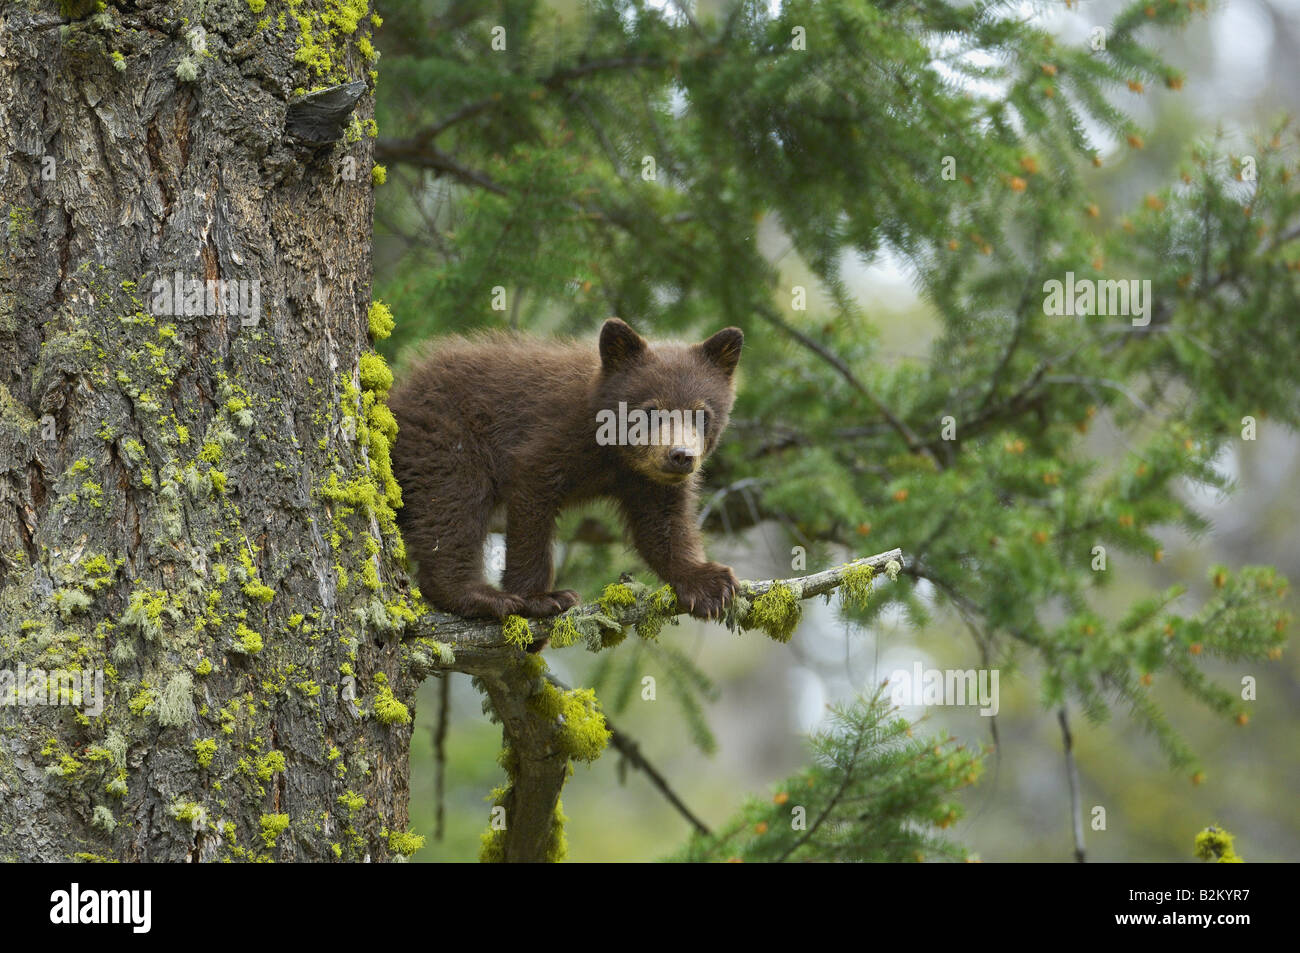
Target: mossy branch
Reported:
point(479, 647)
point(539, 743)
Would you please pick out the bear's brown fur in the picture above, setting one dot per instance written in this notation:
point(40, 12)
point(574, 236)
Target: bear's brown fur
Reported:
point(505, 419)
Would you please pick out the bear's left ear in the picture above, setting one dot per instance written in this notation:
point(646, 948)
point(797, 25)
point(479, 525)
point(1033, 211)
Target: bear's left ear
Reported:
point(620, 346)
point(723, 349)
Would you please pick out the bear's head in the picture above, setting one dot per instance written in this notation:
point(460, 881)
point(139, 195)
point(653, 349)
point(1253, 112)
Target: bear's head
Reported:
point(664, 405)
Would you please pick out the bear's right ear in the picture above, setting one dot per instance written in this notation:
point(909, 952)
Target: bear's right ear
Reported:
point(620, 346)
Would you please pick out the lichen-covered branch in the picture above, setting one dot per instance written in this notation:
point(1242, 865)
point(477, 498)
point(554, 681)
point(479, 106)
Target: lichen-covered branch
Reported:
point(545, 727)
point(479, 647)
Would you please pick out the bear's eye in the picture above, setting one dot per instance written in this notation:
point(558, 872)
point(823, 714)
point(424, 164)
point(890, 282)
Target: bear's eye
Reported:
point(706, 420)
point(648, 408)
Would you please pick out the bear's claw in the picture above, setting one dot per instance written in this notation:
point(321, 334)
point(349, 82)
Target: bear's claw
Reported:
point(706, 590)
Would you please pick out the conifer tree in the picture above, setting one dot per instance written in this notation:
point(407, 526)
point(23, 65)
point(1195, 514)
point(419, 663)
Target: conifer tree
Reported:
point(552, 165)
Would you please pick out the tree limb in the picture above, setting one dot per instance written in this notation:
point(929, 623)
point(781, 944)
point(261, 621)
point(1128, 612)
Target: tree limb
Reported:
point(481, 649)
point(540, 765)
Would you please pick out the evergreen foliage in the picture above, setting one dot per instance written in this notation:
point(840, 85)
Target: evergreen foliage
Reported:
point(635, 160)
point(873, 793)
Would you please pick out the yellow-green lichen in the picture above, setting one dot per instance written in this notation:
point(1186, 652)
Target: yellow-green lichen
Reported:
point(582, 733)
point(142, 702)
point(258, 592)
point(374, 373)
point(388, 710)
point(516, 631)
point(404, 843)
point(205, 749)
point(564, 632)
point(144, 612)
point(269, 764)
point(380, 316)
point(176, 705)
point(855, 585)
point(660, 607)
point(273, 825)
point(617, 595)
point(776, 612)
point(557, 847)
point(188, 812)
point(247, 641)
point(1214, 843)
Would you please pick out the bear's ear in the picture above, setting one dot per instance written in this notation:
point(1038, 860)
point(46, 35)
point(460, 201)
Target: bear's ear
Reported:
point(723, 349)
point(620, 346)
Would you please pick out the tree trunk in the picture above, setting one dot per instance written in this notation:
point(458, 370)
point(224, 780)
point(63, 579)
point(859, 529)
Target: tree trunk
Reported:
point(194, 501)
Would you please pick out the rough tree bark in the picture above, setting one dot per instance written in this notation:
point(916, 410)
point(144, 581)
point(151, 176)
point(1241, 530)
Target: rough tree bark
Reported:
point(193, 504)
point(195, 497)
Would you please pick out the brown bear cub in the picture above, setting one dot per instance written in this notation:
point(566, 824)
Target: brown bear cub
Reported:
point(534, 426)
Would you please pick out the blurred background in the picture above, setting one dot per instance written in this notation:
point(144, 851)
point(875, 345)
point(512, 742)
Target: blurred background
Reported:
point(742, 724)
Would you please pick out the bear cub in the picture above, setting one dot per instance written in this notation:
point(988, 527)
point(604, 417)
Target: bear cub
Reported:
point(504, 420)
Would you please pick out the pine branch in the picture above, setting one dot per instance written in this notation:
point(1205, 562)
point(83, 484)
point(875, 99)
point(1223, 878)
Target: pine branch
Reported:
point(914, 443)
point(425, 155)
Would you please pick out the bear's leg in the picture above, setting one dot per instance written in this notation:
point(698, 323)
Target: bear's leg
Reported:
point(447, 504)
point(664, 529)
point(530, 526)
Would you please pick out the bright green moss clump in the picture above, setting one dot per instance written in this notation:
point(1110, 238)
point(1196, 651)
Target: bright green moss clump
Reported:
point(389, 710)
point(776, 612)
point(380, 315)
point(405, 844)
point(516, 630)
point(492, 846)
point(558, 848)
point(1214, 843)
point(855, 586)
point(256, 591)
point(205, 749)
point(247, 641)
point(582, 732)
point(374, 373)
point(617, 595)
point(660, 608)
point(273, 825)
point(564, 632)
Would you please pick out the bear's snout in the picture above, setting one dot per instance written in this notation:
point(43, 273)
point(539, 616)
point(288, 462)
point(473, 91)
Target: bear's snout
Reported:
point(682, 460)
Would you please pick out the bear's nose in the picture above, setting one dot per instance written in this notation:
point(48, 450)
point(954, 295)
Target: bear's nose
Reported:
point(681, 459)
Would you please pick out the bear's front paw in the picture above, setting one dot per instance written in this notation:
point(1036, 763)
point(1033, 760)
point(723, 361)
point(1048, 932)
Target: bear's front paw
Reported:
point(539, 605)
point(705, 590)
